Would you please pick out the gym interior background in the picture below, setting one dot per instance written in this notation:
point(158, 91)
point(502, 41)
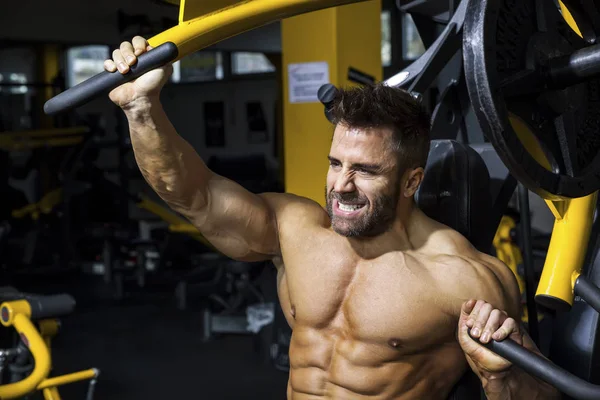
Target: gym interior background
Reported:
point(158, 312)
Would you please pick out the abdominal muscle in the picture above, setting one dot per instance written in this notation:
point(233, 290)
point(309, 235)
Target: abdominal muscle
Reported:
point(328, 365)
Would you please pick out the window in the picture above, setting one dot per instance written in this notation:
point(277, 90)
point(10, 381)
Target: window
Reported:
point(412, 45)
point(243, 63)
point(17, 69)
point(84, 62)
point(386, 38)
point(12, 80)
point(200, 66)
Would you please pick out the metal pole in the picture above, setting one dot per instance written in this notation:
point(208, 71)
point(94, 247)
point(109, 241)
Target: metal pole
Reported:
point(528, 262)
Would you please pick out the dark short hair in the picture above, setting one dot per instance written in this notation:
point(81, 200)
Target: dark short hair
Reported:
point(381, 106)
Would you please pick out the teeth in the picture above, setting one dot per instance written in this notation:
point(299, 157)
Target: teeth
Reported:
point(349, 207)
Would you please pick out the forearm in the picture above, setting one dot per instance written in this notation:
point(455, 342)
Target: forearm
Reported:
point(517, 384)
point(168, 163)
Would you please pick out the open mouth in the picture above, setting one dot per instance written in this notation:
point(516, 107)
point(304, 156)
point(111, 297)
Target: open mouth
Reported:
point(348, 209)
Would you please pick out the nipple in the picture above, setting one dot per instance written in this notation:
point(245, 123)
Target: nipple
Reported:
point(293, 311)
point(395, 343)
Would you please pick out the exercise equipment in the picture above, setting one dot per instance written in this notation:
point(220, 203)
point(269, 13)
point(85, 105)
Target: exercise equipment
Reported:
point(508, 246)
point(507, 250)
point(34, 317)
point(227, 312)
point(524, 66)
point(571, 233)
point(194, 31)
point(32, 139)
point(32, 212)
point(79, 94)
point(571, 193)
point(528, 262)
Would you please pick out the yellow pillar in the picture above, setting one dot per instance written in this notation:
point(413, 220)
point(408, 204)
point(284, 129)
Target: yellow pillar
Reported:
point(342, 37)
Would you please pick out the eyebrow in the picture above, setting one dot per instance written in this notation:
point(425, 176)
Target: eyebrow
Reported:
point(368, 167)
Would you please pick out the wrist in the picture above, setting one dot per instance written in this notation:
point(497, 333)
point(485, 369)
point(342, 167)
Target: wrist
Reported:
point(140, 107)
point(496, 382)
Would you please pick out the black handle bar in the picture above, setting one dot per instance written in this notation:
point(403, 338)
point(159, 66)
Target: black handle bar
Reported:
point(546, 370)
point(106, 81)
point(43, 306)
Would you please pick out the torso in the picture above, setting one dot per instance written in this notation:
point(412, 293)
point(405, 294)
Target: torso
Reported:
point(378, 328)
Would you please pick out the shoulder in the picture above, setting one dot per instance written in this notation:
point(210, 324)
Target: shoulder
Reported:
point(475, 275)
point(292, 210)
point(433, 237)
point(461, 272)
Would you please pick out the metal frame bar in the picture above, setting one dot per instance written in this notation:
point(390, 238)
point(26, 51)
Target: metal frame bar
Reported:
point(203, 31)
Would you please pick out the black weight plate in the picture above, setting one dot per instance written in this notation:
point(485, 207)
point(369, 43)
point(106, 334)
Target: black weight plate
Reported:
point(512, 41)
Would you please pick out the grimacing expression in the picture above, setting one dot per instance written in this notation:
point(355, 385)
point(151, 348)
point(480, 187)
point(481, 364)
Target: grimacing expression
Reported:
point(363, 181)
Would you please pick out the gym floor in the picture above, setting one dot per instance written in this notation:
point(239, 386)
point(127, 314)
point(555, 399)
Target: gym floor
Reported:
point(147, 349)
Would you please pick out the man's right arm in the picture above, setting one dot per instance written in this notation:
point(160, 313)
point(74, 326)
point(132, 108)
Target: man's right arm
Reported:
point(240, 224)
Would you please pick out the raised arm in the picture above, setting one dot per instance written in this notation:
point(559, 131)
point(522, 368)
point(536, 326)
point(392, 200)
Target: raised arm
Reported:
point(240, 224)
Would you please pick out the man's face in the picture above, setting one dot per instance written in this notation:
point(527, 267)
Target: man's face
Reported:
point(363, 181)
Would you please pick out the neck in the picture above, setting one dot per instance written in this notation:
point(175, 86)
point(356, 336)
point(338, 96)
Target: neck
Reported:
point(396, 238)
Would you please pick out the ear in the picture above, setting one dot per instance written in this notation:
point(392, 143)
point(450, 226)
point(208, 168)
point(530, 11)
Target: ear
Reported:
point(413, 178)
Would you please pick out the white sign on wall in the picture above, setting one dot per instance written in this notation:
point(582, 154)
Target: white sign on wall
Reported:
point(305, 79)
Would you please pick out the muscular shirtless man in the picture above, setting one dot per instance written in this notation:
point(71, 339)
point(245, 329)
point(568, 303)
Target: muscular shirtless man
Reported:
point(376, 292)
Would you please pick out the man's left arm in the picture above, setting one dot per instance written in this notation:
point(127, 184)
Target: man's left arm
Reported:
point(493, 315)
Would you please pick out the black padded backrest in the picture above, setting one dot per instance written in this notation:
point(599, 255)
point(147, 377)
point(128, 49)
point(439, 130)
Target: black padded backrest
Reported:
point(456, 191)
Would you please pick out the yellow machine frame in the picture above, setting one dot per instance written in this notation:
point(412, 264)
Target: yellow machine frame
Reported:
point(38, 342)
point(32, 139)
point(570, 235)
point(201, 24)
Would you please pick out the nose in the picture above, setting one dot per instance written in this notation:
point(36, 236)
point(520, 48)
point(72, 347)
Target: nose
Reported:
point(344, 183)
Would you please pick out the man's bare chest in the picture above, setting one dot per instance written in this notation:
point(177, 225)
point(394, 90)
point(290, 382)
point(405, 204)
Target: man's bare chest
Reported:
point(388, 301)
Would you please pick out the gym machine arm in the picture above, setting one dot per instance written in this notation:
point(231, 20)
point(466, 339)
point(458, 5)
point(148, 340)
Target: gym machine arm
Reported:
point(545, 370)
point(20, 314)
point(188, 37)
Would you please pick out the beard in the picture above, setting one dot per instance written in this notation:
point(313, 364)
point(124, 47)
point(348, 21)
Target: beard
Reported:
point(377, 218)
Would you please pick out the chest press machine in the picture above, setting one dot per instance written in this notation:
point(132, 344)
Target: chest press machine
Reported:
point(519, 75)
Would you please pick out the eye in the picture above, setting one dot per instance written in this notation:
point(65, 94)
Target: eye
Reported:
point(365, 171)
point(334, 163)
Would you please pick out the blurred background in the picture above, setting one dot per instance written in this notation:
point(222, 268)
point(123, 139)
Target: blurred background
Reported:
point(159, 312)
